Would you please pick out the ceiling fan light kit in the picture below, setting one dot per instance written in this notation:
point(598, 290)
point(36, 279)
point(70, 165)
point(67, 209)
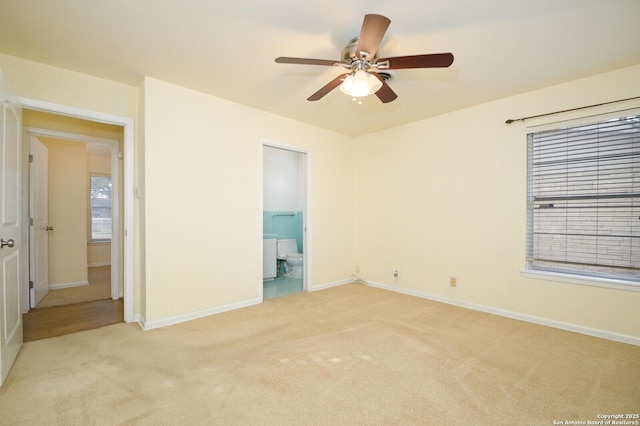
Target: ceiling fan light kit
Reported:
point(367, 74)
point(360, 84)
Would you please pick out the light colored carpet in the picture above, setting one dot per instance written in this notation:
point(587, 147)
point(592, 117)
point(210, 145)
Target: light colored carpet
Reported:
point(350, 355)
point(99, 288)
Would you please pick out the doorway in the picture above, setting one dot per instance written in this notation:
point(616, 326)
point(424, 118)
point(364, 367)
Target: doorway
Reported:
point(72, 198)
point(78, 259)
point(284, 220)
point(130, 192)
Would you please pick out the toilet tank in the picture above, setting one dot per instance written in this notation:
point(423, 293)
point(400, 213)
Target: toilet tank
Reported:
point(286, 246)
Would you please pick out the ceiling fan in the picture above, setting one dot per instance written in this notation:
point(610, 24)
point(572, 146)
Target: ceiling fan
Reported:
point(366, 72)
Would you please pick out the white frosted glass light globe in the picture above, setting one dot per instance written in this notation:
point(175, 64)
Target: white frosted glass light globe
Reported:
point(360, 84)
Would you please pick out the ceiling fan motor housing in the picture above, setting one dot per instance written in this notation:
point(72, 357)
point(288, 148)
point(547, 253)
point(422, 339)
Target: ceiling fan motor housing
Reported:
point(349, 56)
point(349, 53)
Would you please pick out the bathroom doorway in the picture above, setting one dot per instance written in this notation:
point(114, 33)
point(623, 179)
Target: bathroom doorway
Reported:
point(284, 220)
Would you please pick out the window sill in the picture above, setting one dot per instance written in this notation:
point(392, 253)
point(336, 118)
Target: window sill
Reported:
point(581, 280)
point(99, 243)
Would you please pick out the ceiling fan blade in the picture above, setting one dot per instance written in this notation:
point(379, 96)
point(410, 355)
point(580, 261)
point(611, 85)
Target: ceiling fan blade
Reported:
point(385, 93)
point(327, 88)
point(306, 61)
point(434, 60)
point(373, 29)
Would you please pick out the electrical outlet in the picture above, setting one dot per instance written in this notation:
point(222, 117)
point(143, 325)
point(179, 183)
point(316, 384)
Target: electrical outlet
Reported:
point(453, 282)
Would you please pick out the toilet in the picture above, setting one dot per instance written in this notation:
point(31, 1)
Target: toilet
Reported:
point(287, 250)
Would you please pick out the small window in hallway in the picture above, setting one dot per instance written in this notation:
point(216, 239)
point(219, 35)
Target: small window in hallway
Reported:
point(100, 203)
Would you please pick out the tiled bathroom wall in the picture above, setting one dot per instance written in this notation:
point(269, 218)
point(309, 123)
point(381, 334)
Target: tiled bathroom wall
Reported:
point(285, 224)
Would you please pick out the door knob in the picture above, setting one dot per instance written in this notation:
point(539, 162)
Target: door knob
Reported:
point(49, 228)
point(9, 243)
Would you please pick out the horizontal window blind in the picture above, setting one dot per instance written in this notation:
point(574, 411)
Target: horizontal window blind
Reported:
point(100, 199)
point(584, 199)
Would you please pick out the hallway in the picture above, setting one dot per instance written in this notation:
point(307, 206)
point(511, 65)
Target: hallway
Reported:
point(69, 310)
point(60, 320)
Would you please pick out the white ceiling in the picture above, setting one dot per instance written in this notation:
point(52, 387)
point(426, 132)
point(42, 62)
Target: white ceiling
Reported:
point(227, 48)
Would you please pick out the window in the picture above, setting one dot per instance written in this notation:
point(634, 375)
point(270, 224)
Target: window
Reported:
point(100, 202)
point(584, 200)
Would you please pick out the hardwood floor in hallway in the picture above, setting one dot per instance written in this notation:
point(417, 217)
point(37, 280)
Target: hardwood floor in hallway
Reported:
point(60, 320)
point(70, 310)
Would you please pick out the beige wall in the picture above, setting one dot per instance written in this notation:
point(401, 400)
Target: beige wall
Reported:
point(67, 211)
point(98, 254)
point(202, 199)
point(435, 198)
point(46, 83)
point(447, 197)
point(62, 123)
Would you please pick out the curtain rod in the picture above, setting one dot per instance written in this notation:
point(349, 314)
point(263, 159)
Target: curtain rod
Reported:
point(511, 120)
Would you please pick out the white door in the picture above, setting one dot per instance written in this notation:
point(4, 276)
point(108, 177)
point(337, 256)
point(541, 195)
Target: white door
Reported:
point(39, 213)
point(10, 234)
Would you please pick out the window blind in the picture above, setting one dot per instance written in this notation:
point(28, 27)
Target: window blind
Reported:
point(101, 204)
point(584, 199)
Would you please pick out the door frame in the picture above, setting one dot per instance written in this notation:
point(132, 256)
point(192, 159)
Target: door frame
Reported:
point(30, 132)
point(128, 196)
point(306, 224)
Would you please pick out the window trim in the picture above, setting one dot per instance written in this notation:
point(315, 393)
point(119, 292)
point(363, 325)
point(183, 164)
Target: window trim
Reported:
point(580, 279)
point(576, 278)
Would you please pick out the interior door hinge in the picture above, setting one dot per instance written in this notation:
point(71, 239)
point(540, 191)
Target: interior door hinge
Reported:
point(31, 158)
point(30, 284)
point(30, 221)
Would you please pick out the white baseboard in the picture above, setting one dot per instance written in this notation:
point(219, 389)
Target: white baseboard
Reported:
point(331, 284)
point(623, 338)
point(67, 285)
point(140, 320)
point(150, 325)
point(93, 265)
